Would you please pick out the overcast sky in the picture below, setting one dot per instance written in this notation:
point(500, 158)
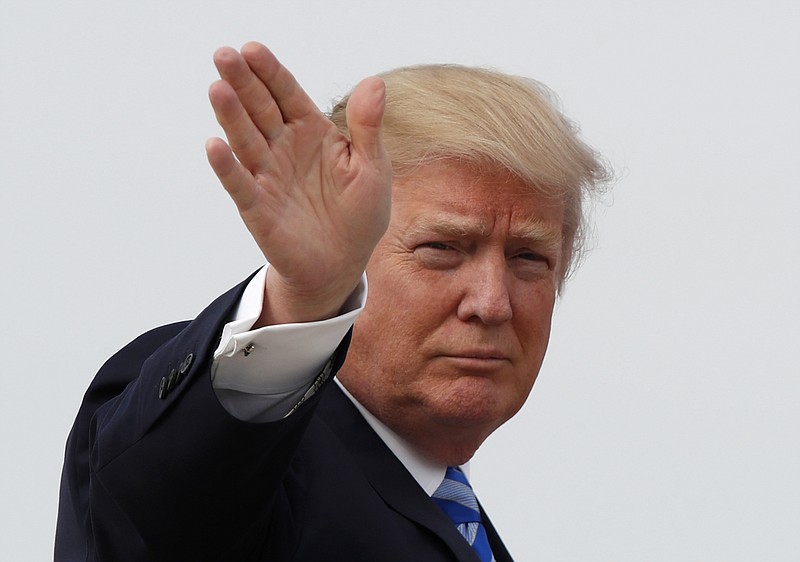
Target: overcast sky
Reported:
point(664, 425)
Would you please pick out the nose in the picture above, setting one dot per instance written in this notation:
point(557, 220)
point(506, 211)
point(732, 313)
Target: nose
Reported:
point(486, 294)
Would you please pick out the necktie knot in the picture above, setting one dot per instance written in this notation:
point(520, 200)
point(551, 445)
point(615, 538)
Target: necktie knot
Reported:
point(455, 497)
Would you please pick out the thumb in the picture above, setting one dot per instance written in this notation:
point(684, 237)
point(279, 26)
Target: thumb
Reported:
point(364, 114)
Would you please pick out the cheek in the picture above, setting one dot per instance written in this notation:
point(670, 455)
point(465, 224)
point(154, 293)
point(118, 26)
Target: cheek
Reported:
point(532, 322)
point(401, 316)
point(385, 331)
point(533, 305)
point(404, 295)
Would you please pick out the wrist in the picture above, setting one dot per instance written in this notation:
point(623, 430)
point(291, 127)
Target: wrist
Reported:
point(285, 303)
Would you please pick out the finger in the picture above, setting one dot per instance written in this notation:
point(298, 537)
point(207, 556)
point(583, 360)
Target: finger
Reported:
point(246, 140)
point(234, 177)
point(292, 100)
point(252, 92)
point(365, 118)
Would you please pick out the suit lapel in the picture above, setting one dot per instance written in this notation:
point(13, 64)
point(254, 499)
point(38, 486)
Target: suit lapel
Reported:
point(390, 479)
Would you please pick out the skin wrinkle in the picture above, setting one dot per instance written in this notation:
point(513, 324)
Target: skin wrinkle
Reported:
point(533, 232)
point(452, 338)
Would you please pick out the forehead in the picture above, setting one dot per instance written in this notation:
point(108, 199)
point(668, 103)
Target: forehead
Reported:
point(463, 200)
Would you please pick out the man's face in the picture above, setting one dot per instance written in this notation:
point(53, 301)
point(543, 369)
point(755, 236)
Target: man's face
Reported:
point(461, 293)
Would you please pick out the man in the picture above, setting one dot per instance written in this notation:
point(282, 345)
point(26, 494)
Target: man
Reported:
point(460, 192)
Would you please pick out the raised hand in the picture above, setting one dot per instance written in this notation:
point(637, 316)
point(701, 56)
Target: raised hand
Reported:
point(315, 202)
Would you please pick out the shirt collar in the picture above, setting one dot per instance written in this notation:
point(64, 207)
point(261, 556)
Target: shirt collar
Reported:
point(427, 473)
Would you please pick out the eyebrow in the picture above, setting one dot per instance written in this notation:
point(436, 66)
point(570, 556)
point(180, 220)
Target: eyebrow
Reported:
point(533, 231)
point(538, 231)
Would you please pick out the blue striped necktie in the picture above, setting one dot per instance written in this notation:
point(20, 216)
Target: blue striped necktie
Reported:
point(455, 497)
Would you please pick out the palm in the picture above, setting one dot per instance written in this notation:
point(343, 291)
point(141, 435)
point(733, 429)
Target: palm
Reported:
point(315, 203)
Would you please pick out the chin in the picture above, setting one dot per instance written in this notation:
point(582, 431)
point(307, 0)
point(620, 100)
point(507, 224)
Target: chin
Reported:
point(474, 404)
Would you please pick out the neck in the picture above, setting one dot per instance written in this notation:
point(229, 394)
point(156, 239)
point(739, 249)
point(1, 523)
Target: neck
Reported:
point(435, 444)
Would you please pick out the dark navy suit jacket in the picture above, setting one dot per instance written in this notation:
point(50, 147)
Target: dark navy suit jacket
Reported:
point(157, 470)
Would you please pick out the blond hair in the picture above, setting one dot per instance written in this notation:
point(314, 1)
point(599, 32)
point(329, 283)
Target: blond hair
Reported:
point(489, 119)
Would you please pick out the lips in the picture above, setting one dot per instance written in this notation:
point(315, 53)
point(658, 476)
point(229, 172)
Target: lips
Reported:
point(477, 355)
point(482, 355)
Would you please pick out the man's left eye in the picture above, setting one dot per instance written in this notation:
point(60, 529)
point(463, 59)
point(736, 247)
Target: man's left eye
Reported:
point(531, 263)
point(531, 256)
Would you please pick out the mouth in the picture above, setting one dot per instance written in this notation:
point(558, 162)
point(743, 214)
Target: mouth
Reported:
point(485, 356)
point(482, 353)
point(477, 359)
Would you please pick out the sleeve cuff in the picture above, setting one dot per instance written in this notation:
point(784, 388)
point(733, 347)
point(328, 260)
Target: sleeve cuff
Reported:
point(280, 359)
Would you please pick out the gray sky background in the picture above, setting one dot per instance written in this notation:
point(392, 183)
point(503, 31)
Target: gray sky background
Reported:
point(664, 425)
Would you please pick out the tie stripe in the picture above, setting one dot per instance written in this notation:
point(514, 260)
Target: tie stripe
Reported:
point(455, 497)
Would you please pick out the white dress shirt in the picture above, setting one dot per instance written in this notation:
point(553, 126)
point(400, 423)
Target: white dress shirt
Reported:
point(259, 375)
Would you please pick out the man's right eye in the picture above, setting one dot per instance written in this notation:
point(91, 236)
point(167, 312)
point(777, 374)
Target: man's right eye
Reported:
point(436, 246)
point(438, 255)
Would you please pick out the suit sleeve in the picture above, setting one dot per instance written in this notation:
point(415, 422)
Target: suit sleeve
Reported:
point(156, 469)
